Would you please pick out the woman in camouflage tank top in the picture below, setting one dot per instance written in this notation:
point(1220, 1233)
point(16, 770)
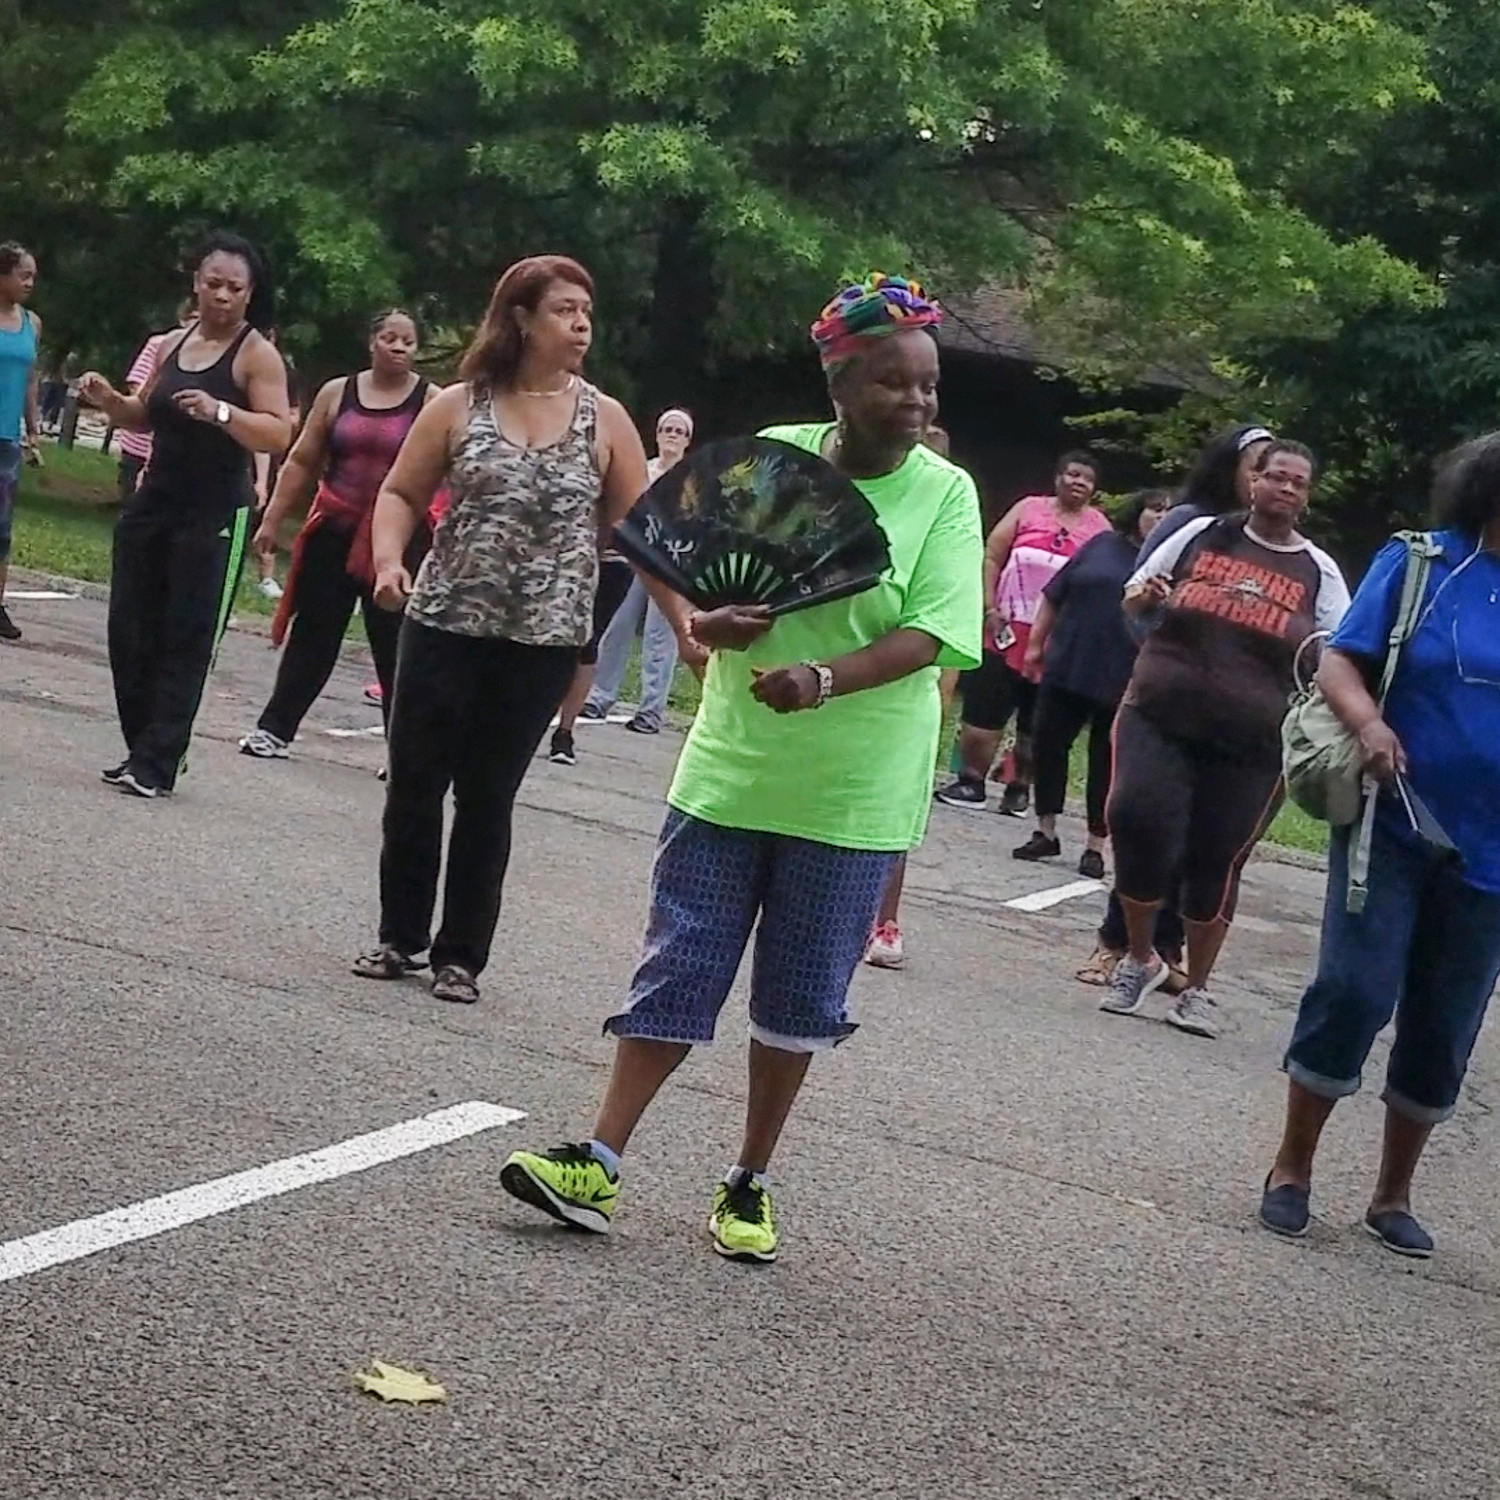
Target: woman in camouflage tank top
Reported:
point(517, 552)
point(539, 466)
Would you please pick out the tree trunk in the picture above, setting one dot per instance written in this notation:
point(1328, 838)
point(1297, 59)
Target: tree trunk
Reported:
point(682, 304)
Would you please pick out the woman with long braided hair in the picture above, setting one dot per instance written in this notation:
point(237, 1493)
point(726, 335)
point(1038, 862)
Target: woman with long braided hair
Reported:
point(771, 826)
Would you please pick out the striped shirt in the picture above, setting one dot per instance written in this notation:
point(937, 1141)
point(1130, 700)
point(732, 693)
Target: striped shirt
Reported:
point(133, 443)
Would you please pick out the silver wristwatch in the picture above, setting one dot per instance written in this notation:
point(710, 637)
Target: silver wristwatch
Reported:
point(825, 681)
point(222, 414)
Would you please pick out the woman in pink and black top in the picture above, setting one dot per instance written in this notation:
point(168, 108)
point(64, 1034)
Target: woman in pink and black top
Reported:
point(1033, 541)
point(353, 434)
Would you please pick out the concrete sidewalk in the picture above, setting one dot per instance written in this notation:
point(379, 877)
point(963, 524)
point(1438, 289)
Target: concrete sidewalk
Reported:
point(1020, 1256)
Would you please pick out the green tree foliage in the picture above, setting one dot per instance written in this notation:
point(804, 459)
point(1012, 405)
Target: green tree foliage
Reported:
point(1399, 384)
point(1155, 169)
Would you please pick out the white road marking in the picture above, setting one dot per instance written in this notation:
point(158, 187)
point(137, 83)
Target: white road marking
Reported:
point(37, 594)
point(154, 1216)
point(374, 732)
point(589, 723)
point(1041, 900)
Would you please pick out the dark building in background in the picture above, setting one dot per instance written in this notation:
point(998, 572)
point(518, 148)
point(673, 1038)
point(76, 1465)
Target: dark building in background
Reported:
point(1004, 406)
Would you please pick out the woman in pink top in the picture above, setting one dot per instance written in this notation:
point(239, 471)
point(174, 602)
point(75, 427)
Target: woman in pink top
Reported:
point(354, 431)
point(1025, 551)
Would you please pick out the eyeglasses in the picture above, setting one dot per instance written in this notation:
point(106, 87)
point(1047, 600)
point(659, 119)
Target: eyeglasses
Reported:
point(1286, 480)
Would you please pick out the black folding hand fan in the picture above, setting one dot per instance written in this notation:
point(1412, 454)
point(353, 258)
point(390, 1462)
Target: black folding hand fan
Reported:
point(753, 521)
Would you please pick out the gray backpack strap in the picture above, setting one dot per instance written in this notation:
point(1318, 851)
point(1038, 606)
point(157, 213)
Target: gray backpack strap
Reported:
point(1420, 551)
point(1358, 888)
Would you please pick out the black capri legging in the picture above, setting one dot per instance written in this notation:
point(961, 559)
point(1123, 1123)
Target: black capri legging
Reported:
point(1182, 808)
point(992, 692)
point(1059, 718)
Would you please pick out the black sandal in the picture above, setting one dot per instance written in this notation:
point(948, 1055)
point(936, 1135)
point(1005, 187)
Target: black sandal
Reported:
point(386, 962)
point(455, 985)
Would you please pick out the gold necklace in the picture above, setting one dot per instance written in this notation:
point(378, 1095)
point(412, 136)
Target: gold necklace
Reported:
point(562, 390)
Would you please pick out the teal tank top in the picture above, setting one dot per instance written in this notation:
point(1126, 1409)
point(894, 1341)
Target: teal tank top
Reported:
point(17, 356)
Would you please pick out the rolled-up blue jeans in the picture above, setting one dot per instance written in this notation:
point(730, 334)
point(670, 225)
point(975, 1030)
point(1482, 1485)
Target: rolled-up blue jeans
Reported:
point(658, 655)
point(10, 478)
point(1426, 950)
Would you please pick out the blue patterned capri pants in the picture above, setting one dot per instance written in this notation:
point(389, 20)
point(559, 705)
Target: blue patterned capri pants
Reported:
point(816, 904)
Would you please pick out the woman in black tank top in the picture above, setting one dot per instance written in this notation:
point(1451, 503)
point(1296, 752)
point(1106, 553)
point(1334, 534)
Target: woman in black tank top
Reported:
point(218, 395)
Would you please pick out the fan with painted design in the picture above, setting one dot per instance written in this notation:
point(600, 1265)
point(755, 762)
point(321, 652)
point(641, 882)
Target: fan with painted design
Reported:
point(755, 521)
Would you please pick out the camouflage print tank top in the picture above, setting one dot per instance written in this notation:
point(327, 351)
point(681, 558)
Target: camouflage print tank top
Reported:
point(516, 553)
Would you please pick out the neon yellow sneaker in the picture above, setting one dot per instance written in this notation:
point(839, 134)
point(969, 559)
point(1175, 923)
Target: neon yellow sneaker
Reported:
point(742, 1224)
point(568, 1182)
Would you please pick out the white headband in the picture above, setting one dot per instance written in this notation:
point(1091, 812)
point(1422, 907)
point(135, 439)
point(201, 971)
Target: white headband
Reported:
point(677, 411)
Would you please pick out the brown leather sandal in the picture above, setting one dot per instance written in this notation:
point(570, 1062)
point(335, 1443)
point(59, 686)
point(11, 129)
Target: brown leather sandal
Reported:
point(1100, 966)
point(455, 985)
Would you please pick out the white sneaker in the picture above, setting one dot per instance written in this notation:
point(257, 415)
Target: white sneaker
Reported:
point(1195, 1011)
point(1131, 982)
point(133, 786)
point(264, 745)
point(885, 949)
point(270, 589)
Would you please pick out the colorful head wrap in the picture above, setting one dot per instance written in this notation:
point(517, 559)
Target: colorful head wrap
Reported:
point(877, 306)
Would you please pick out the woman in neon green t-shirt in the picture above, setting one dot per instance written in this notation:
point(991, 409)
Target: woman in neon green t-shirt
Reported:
point(771, 818)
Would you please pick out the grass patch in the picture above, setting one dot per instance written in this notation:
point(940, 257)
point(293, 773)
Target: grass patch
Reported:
point(65, 521)
point(1293, 829)
point(65, 513)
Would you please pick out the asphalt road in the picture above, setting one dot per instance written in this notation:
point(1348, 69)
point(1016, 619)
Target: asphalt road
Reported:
point(1019, 1251)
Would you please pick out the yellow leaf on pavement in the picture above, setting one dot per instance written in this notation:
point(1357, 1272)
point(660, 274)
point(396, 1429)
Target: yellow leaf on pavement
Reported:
point(391, 1383)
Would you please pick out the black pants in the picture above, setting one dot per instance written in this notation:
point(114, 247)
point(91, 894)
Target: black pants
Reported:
point(994, 691)
point(468, 712)
point(1180, 808)
point(1060, 716)
point(129, 476)
point(171, 588)
point(615, 578)
point(325, 598)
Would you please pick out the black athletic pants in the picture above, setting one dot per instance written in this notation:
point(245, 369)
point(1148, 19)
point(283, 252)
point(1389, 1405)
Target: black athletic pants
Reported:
point(468, 713)
point(1060, 716)
point(1182, 808)
point(325, 596)
point(129, 476)
point(171, 587)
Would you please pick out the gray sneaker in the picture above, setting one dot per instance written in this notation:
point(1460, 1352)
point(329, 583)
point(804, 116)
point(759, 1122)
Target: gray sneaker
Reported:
point(1195, 1011)
point(264, 745)
point(1131, 982)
